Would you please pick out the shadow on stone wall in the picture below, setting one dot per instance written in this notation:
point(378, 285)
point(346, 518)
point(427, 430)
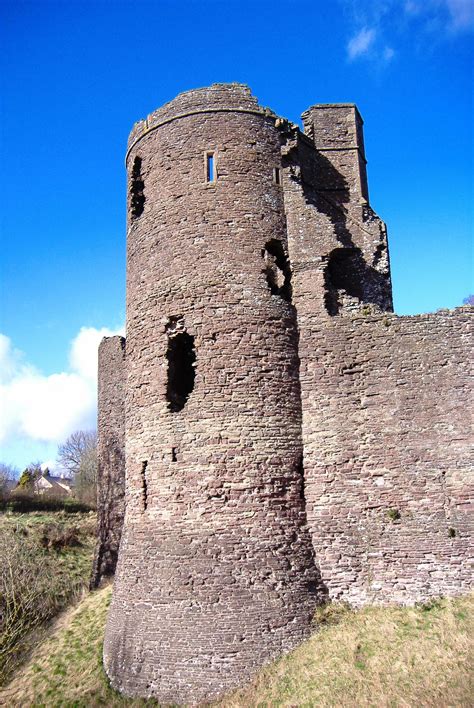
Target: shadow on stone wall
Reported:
point(111, 510)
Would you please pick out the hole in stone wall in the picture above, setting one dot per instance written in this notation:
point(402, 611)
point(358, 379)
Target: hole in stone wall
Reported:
point(277, 175)
point(277, 269)
point(344, 272)
point(144, 486)
point(174, 457)
point(181, 356)
point(302, 478)
point(379, 252)
point(137, 186)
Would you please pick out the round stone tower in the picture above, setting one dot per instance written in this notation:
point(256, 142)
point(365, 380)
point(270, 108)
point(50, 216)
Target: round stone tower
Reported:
point(216, 573)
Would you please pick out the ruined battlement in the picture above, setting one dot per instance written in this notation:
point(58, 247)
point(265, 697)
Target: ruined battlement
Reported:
point(271, 435)
point(215, 98)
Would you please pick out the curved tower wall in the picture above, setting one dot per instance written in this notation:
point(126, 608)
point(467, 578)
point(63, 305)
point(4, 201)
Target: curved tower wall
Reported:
point(216, 573)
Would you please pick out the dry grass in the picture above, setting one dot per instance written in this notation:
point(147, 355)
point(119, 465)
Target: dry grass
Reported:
point(45, 562)
point(390, 656)
point(66, 670)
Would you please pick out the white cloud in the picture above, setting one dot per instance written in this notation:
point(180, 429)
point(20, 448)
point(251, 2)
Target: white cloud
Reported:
point(84, 350)
point(452, 15)
point(380, 28)
point(361, 43)
point(36, 407)
point(9, 359)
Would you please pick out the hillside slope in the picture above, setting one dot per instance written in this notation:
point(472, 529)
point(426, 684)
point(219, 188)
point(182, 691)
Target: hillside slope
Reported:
point(390, 656)
point(45, 562)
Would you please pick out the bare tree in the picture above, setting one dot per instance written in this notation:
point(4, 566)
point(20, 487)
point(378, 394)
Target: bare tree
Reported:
point(8, 474)
point(79, 443)
point(78, 455)
point(469, 300)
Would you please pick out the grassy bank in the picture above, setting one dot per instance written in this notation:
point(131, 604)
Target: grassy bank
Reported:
point(392, 656)
point(66, 670)
point(389, 656)
point(45, 563)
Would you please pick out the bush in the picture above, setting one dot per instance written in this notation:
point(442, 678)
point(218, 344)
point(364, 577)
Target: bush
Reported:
point(23, 503)
point(43, 567)
point(394, 514)
point(58, 537)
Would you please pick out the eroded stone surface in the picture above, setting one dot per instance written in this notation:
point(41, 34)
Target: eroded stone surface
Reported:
point(216, 573)
point(111, 457)
point(273, 283)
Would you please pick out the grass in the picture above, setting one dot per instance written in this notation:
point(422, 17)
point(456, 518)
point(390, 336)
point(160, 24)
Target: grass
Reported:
point(45, 563)
point(66, 670)
point(377, 656)
point(390, 656)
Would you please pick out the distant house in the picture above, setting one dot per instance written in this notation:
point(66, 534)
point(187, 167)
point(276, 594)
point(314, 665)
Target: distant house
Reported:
point(53, 486)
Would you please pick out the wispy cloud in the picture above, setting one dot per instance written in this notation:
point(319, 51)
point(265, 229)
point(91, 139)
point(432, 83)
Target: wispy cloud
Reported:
point(462, 14)
point(365, 44)
point(361, 43)
point(47, 408)
point(450, 15)
point(380, 27)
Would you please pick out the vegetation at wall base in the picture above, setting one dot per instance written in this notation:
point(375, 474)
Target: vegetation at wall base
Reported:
point(45, 564)
point(377, 656)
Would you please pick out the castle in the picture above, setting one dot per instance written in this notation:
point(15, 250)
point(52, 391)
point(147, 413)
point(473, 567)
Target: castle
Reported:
point(274, 433)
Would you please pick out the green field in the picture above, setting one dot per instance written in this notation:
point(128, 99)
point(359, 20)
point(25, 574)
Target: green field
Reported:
point(389, 656)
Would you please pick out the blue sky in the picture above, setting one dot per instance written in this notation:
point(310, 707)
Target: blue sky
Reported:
point(77, 75)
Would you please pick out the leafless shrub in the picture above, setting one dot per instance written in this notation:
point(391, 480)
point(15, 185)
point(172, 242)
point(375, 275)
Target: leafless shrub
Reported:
point(57, 537)
point(32, 590)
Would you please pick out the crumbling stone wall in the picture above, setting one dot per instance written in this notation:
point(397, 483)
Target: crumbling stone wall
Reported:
point(261, 343)
point(388, 455)
point(216, 573)
point(387, 437)
point(111, 456)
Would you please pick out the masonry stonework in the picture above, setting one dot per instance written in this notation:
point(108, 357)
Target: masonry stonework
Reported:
point(287, 438)
point(111, 457)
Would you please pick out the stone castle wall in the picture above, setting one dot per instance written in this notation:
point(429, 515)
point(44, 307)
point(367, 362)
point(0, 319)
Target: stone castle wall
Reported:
point(388, 455)
point(111, 456)
point(216, 573)
point(385, 399)
point(287, 437)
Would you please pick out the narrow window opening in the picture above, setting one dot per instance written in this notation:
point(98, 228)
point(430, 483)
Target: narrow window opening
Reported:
point(277, 269)
point(277, 175)
point(137, 186)
point(210, 167)
point(174, 457)
point(181, 356)
point(144, 486)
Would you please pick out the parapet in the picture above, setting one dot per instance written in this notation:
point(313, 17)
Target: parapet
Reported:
point(216, 98)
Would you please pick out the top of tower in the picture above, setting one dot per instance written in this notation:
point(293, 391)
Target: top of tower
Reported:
point(211, 99)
